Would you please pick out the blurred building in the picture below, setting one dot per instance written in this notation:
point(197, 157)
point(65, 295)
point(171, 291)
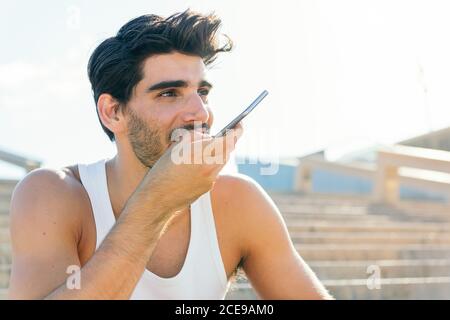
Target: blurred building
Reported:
point(353, 172)
point(439, 139)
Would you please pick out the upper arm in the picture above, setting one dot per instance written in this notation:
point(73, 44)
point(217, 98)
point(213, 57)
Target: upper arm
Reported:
point(45, 230)
point(270, 261)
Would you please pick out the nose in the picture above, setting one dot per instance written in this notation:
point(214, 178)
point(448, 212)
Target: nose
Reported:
point(195, 109)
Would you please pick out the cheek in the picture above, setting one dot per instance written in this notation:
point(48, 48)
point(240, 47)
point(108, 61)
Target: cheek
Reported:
point(166, 122)
point(162, 116)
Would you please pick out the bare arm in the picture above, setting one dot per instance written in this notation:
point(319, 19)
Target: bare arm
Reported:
point(45, 231)
point(270, 261)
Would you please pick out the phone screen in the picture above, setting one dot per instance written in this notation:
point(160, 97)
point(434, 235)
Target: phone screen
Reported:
point(244, 113)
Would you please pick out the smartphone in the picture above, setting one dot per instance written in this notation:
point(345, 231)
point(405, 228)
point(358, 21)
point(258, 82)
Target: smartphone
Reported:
point(244, 113)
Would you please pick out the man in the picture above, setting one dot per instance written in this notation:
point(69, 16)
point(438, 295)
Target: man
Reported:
point(139, 225)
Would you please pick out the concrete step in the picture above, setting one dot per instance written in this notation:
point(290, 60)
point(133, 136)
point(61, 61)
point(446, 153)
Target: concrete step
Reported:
point(441, 218)
point(393, 288)
point(346, 252)
point(319, 199)
point(4, 221)
point(422, 210)
point(339, 270)
point(292, 217)
point(6, 186)
point(424, 207)
point(5, 197)
point(351, 226)
point(5, 253)
point(5, 271)
point(309, 219)
point(4, 208)
point(332, 270)
point(370, 238)
point(323, 209)
point(4, 235)
point(3, 294)
point(386, 217)
point(426, 211)
point(235, 292)
point(437, 288)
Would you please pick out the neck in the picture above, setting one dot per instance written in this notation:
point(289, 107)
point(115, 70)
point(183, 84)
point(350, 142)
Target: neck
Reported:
point(124, 173)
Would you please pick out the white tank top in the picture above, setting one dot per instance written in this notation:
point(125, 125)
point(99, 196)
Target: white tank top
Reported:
point(203, 274)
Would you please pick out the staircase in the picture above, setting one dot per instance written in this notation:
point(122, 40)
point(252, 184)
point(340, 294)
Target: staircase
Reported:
point(6, 188)
point(340, 238)
point(348, 240)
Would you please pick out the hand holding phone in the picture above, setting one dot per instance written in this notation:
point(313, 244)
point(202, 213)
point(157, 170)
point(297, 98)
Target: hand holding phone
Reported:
point(241, 116)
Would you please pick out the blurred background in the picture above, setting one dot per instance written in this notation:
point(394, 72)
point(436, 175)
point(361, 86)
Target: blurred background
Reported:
point(352, 143)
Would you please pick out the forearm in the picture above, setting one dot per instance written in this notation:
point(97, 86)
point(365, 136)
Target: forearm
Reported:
point(117, 265)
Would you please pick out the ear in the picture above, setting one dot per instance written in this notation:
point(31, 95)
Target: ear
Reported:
point(110, 113)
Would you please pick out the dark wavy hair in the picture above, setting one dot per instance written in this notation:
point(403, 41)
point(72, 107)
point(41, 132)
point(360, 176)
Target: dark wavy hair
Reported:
point(115, 66)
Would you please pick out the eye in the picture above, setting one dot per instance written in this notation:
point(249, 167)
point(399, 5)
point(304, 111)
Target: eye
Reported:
point(203, 92)
point(168, 93)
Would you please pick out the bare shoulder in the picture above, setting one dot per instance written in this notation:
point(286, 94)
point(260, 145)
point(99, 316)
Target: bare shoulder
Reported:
point(246, 206)
point(226, 184)
point(48, 197)
point(49, 177)
point(229, 191)
point(50, 186)
point(47, 213)
point(241, 191)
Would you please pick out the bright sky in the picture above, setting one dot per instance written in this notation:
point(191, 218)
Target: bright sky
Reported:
point(341, 74)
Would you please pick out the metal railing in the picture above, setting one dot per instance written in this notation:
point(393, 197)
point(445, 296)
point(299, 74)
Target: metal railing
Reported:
point(26, 163)
point(388, 173)
point(389, 162)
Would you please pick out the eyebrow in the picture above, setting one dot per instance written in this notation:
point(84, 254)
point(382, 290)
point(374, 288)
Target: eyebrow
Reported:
point(176, 84)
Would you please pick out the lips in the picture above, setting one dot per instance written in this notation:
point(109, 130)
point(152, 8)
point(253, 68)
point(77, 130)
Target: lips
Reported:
point(178, 133)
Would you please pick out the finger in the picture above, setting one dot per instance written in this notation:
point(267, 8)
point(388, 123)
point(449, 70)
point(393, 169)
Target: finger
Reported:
point(231, 139)
point(194, 136)
point(218, 150)
point(239, 129)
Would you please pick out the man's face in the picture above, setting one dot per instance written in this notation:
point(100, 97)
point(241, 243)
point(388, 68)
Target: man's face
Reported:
point(172, 94)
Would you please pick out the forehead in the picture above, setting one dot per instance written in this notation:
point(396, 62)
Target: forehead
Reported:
point(173, 66)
